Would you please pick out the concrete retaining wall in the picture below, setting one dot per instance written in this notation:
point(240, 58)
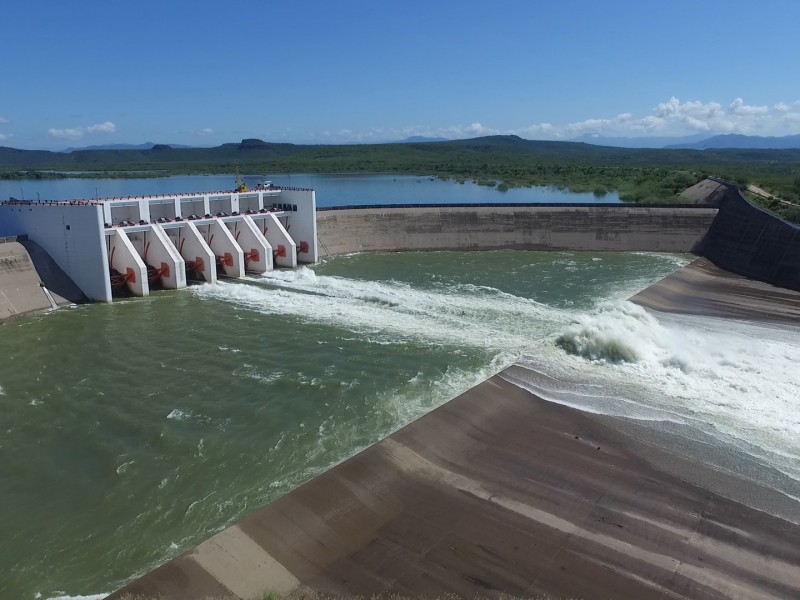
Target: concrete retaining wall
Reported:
point(71, 235)
point(53, 277)
point(20, 291)
point(301, 224)
point(532, 227)
point(752, 242)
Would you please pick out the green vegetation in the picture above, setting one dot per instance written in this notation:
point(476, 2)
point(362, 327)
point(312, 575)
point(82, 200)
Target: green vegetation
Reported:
point(639, 175)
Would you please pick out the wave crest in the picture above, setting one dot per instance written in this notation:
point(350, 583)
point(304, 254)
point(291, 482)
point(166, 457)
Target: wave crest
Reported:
point(621, 332)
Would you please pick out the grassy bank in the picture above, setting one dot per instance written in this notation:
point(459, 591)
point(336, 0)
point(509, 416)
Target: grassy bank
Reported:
point(639, 175)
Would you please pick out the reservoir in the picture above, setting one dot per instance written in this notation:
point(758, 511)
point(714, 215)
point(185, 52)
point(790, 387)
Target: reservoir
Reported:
point(331, 190)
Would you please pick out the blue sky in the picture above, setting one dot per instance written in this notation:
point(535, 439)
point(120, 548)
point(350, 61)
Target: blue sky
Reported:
point(342, 71)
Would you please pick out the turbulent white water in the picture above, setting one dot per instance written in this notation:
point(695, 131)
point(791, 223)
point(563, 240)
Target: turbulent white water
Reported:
point(389, 312)
point(737, 381)
point(91, 597)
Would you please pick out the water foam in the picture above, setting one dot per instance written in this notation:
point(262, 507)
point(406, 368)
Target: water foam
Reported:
point(65, 597)
point(676, 261)
point(179, 415)
point(737, 381)
point(255, 374)
point(124, 467)
point(618, 332)
point(479, 316)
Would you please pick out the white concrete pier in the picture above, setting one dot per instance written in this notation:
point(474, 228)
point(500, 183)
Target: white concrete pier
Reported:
point(204, 236)
point(164, 241)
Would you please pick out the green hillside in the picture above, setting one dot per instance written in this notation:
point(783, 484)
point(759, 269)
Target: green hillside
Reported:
point(641, 175)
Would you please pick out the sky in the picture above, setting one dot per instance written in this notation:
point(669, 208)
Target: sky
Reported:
point(202, 72)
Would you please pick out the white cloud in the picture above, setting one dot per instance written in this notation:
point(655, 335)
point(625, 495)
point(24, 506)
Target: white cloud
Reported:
point(68, 134)
point(107, 127)
point(206, 131)
point(793, 120)
point(671, 118)
point(478, 129)
point(3, 136)
point(674, 117)
point(539, 131)
point(3, 120)
point(740, 108)
point(74, 133)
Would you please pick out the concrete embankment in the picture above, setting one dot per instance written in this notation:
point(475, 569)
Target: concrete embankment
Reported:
point(594, 227)
point(21, 290)
point(499, 491)
point(719, 224)
point(746, 239)
point(703, 288)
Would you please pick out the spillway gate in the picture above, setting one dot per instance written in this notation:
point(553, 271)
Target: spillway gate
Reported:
point(168, 241)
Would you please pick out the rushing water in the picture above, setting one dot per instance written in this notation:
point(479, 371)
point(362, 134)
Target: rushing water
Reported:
point(332, 190)
point(131, 431)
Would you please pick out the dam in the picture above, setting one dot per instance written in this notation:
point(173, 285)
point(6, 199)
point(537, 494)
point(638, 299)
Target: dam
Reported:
point(115, 247)
point(392, 518)
point(126, 246)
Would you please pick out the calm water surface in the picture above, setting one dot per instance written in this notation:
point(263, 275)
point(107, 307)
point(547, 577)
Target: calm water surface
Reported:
point(332, 190)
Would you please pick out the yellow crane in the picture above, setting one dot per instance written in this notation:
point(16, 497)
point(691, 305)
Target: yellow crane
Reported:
point(240, 184)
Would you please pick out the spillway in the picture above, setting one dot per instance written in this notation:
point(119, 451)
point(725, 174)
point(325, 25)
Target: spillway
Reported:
point(131, 245)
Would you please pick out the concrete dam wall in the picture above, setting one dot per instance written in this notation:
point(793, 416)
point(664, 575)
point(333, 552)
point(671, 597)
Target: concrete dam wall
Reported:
point(750, 241)
point(22, 283)
point(718, 223)
point(721, 225)
point(586, 227)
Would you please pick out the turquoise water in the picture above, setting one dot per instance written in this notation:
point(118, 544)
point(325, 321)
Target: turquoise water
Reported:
point(332, 190)
point(131, 431)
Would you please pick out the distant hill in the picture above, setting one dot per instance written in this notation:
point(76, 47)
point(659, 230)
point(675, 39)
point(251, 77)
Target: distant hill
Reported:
point(637, 174)
point(736, 140)
point(692, 142)
point(502, 152)
point(639, 142)
point(149, 156)
point(417, 139)
point(145, 146)
point(700, 141)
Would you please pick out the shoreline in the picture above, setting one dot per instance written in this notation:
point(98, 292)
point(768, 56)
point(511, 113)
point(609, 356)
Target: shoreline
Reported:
point(501, 491)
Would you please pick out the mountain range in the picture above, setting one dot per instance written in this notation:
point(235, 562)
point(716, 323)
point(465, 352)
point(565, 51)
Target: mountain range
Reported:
point(699, 141)
point(145, 146)
point(417, 139)
point(736, 140)
point(504, 149)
